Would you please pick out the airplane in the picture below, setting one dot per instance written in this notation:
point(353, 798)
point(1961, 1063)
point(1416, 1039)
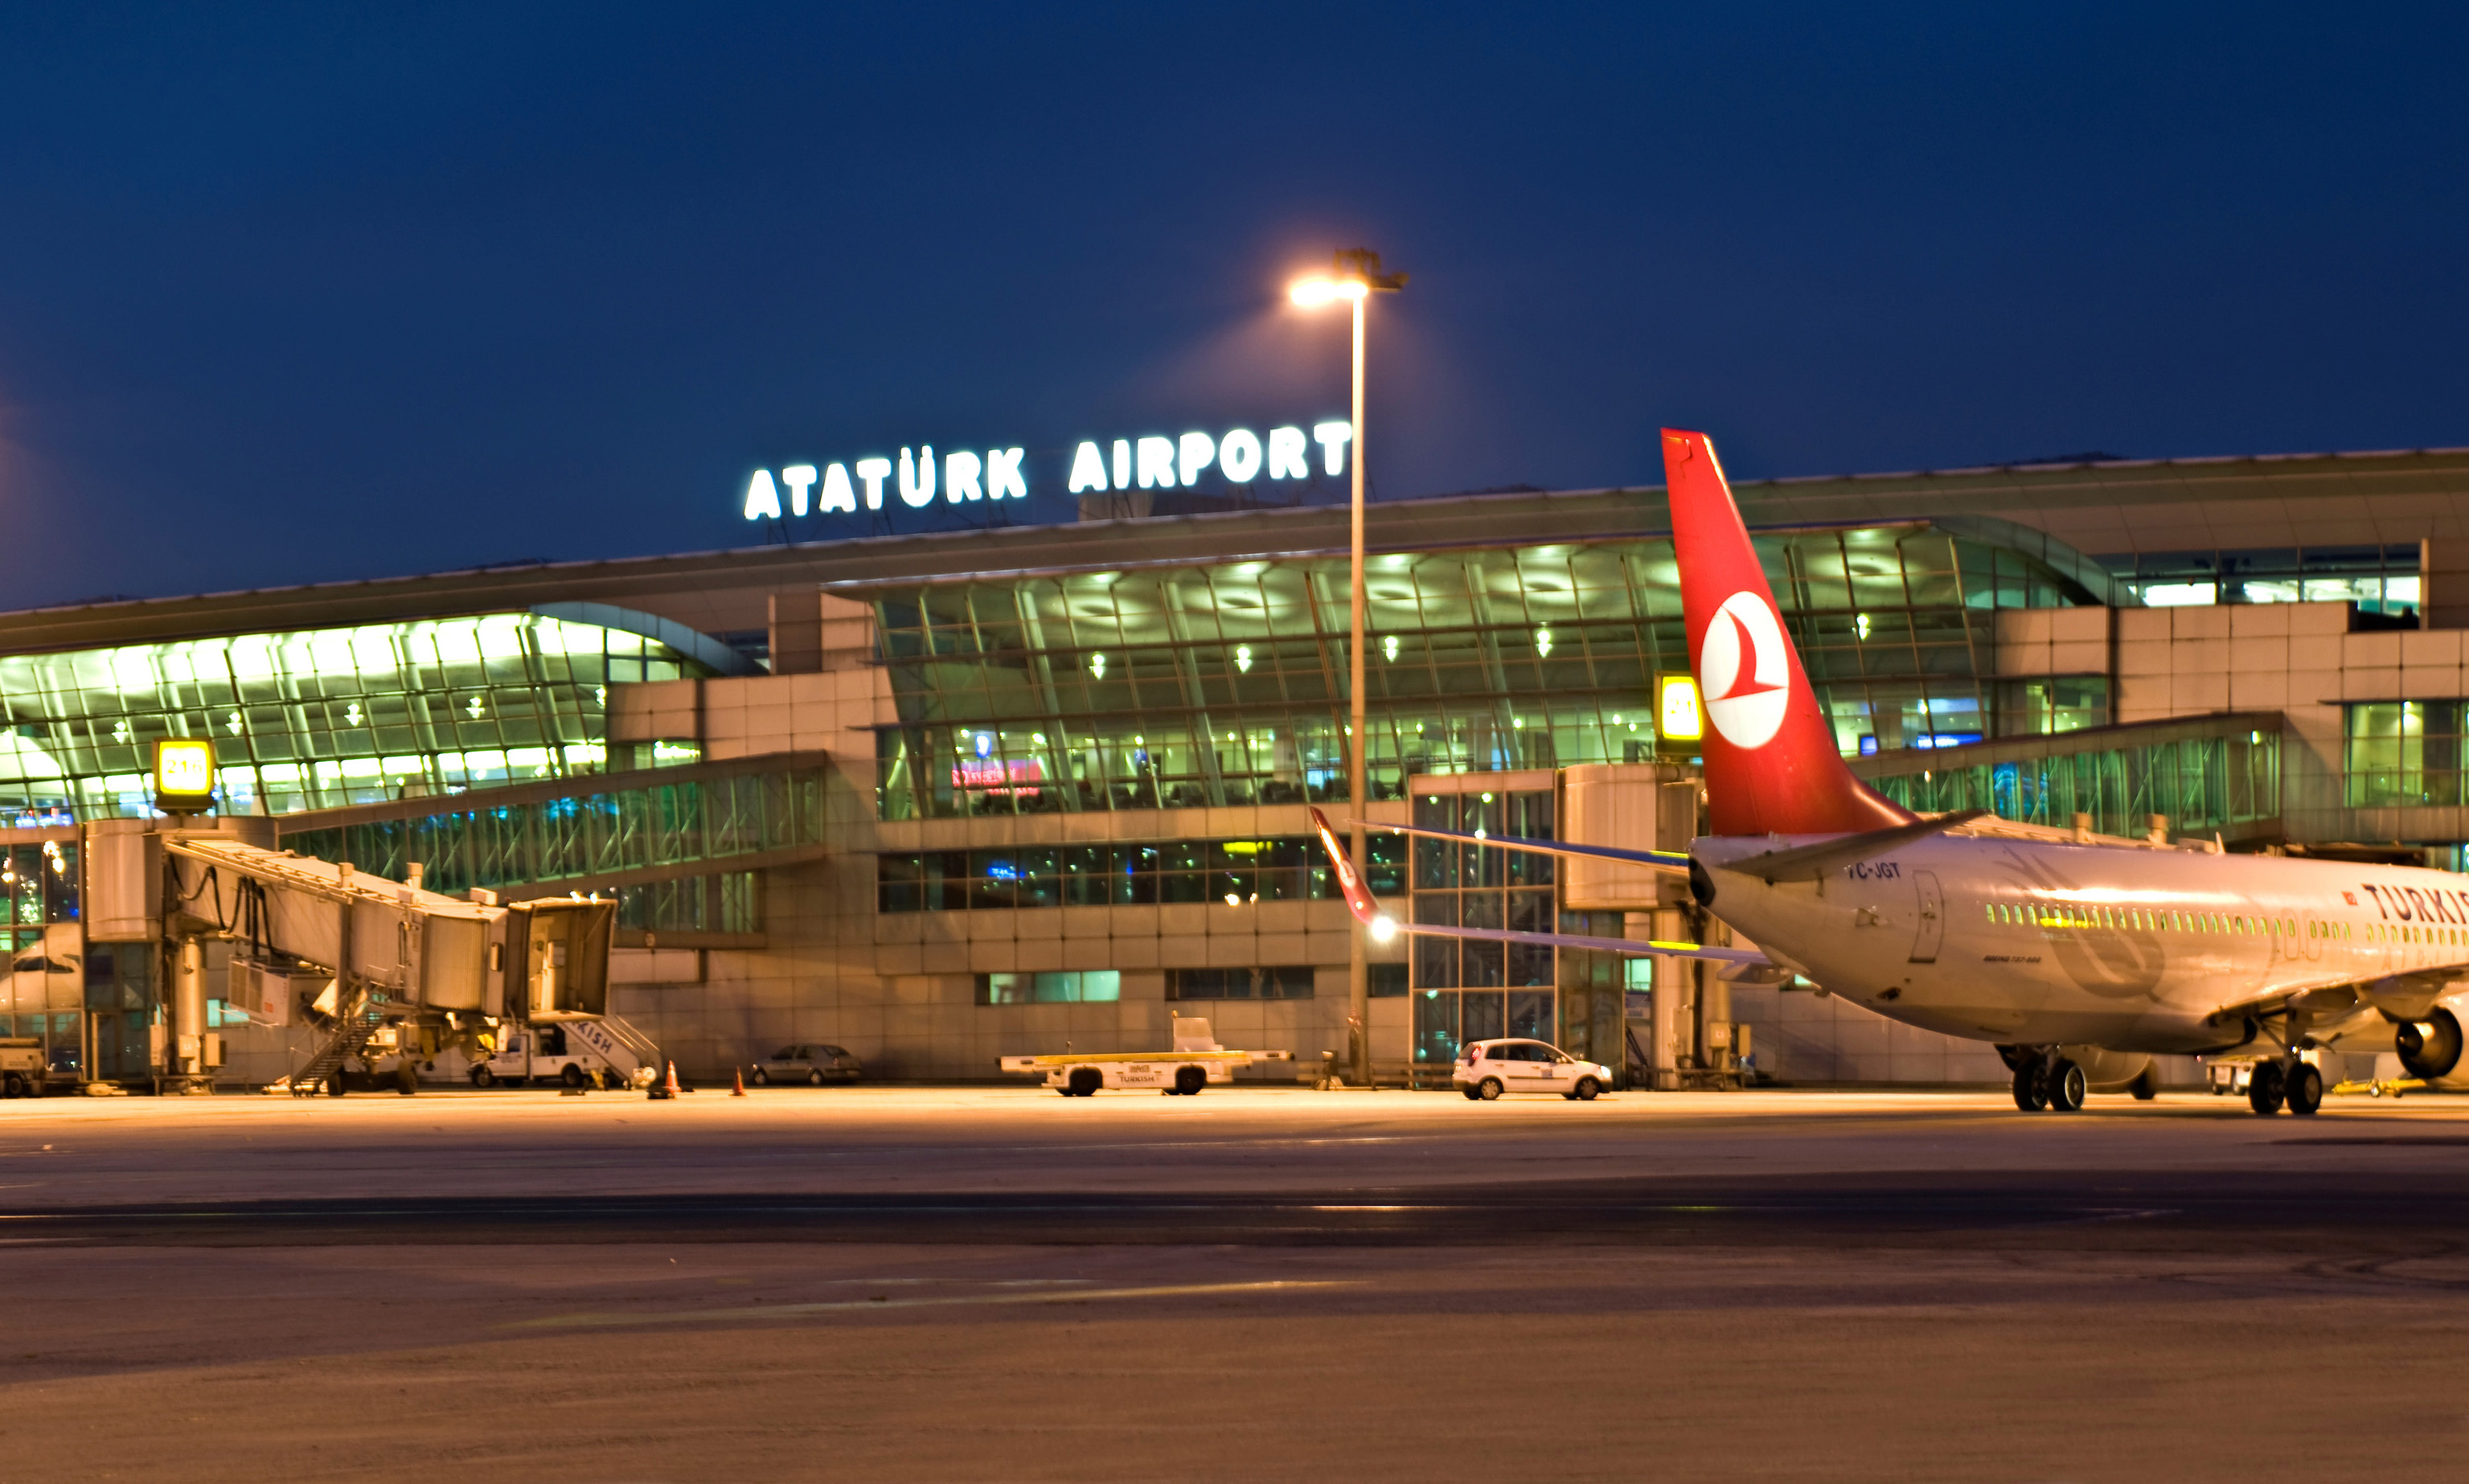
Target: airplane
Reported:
point(2080, 958)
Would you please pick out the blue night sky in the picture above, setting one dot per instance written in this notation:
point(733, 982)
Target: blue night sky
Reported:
point(292, 295)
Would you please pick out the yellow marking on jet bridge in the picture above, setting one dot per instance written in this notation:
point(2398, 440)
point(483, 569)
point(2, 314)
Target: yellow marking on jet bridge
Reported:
point(841, 1305)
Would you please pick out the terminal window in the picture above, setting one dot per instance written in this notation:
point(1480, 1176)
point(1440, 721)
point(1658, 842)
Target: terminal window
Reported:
point(1074, 986)
point(1292, 982)
point(1227, 873)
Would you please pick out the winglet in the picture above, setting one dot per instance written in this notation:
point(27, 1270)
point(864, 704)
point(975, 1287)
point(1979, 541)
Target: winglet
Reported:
point(1358, 898)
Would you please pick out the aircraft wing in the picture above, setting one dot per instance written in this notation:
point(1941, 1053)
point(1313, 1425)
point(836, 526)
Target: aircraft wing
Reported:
point(2407, 996)
point(1360, 901)
point(1659, 859)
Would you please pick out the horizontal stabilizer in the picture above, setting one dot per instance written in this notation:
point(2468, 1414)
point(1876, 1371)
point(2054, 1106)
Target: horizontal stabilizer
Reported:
point(1816, 862)
point(1659, 859)
point(1628, 947)
point(1366, 908)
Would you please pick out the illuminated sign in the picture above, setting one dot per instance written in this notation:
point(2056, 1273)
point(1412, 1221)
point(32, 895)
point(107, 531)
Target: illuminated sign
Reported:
point(1016, 776)
point(1677, 715)
point(918, 478)
point(184, 775)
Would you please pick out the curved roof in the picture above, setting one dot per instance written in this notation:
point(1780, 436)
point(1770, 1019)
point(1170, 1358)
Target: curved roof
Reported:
point(2098, 508)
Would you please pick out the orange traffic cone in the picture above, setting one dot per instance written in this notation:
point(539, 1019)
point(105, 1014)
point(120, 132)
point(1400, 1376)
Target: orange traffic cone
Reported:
point(673, 1079)
point(740, 1084)
point(662, 1092)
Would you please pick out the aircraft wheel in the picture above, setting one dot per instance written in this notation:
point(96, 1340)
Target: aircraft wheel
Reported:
point(2065, 1087)
point(2305, 1089)
point(2265, 1090)
point(2031, 1095)
point(1489, 1090)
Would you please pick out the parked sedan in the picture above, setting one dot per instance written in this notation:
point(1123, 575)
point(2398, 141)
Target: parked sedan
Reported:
point(813, 1065)
point(1486, 1069)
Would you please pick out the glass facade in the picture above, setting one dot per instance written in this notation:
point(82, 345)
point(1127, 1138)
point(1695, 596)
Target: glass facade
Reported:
point(2216, 773)
point(318, 718)
point(38, 886)
point(1070, 987)
point(2403, 753)
point(2379, 579)
point(1283, 981)
point(1204, 686)
point(1236, 872)
point(717, 813)
point(1466, 990)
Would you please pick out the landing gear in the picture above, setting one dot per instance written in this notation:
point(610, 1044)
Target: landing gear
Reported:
point(2304, 1089)
point(2031, 1092)
point(2064, 1083)
point(2265, 1089)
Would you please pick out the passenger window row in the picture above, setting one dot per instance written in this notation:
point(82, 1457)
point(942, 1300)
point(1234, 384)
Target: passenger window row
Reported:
point(2146, 920)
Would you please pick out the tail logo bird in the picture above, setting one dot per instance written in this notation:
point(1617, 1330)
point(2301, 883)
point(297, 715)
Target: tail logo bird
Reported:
point(1745, 668)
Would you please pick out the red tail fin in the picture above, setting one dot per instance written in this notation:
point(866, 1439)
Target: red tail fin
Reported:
point(1771, 763)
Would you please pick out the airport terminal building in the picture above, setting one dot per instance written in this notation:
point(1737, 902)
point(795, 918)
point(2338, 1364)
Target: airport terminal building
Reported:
point(942, 798)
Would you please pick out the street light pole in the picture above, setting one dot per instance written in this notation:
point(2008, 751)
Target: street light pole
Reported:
point(1358, 737)
point(1356, 278)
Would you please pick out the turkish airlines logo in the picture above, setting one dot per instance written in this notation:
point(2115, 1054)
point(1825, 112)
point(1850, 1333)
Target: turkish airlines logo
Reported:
point(1746, 671)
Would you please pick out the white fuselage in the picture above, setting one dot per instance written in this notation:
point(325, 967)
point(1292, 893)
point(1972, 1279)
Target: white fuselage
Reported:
point(2037, 941)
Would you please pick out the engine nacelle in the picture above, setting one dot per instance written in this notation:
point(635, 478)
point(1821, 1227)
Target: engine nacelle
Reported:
point(2430, 1049)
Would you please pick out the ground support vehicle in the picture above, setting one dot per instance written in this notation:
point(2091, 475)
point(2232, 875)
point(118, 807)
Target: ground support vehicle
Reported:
point(1196, 1061)
point(574, 1053)
point(22, 1072)
point(1485, 1070)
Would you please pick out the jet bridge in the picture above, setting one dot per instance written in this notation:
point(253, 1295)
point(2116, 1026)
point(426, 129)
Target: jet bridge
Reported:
point(378, 966)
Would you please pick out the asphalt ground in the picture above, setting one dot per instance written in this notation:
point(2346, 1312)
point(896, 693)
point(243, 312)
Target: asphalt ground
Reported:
point(915, 1283)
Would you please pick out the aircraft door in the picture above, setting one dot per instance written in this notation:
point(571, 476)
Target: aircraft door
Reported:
point(1932, 919)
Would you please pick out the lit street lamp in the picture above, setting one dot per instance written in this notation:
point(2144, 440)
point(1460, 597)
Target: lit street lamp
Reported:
point(1354, 279)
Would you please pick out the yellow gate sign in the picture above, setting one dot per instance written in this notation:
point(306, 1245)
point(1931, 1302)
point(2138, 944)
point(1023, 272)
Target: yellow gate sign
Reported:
point(184, 775)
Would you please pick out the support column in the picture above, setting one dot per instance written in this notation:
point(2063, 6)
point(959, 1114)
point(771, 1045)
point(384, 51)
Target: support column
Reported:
point(187, 1058)
point(1671, 997)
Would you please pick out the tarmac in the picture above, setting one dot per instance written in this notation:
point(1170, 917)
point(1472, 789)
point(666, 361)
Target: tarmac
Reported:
point(974, 1283)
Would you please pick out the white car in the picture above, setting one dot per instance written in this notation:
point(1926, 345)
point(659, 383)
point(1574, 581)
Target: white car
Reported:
point(1486, 1069)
